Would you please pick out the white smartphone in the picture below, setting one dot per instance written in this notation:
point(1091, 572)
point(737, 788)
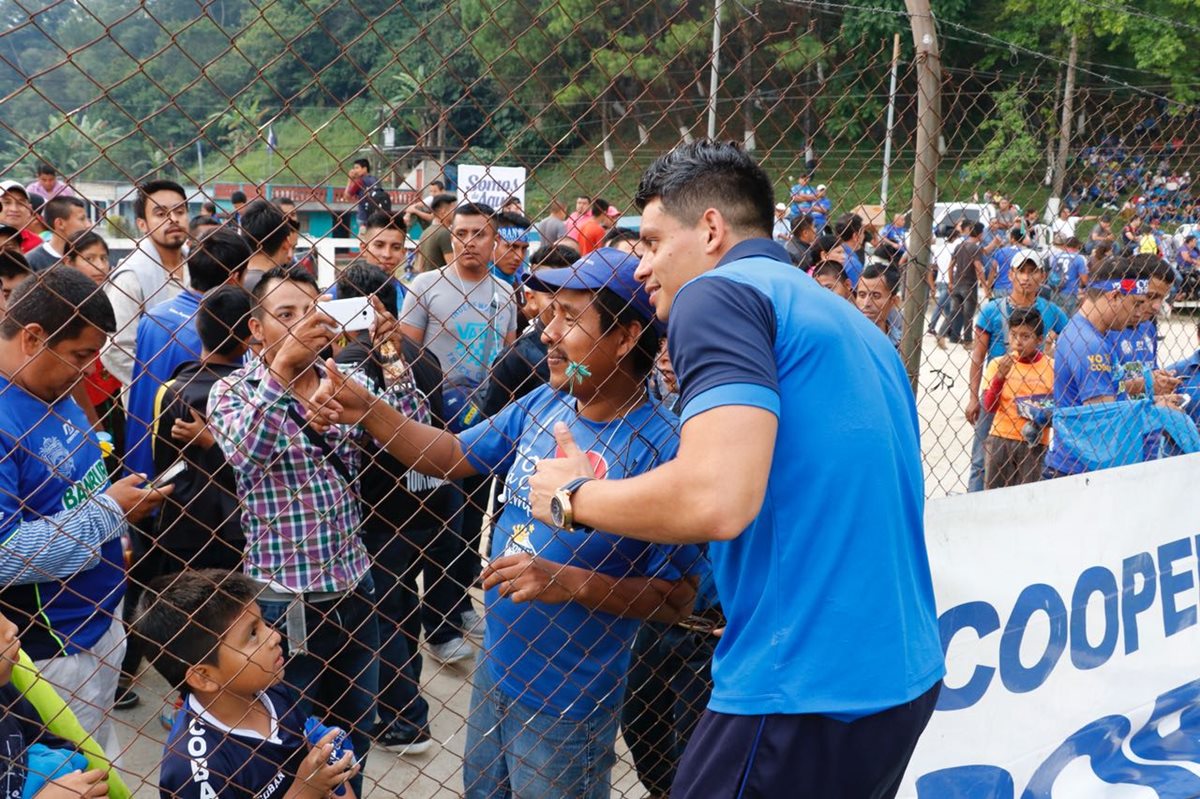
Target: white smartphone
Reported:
point(173, 471)
point(355, 313)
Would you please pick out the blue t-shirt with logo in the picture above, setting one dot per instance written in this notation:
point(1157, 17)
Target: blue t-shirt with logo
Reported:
point(51, 462)
point(1067, 270)
point(993, 320)
point(827, 593)
point(566, 658)
point(1083, 370)
point(853, 267)
point(1134, 348)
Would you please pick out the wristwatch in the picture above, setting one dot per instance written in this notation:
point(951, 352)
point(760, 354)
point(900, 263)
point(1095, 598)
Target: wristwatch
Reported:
point(560, 503)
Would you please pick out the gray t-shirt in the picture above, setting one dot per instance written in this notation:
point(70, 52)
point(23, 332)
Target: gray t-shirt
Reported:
point(465, 322)
point(551, 229)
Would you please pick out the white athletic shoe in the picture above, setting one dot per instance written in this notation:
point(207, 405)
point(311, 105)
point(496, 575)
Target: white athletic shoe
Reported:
point(456, 650)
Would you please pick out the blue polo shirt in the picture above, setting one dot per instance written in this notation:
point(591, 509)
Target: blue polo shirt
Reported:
point(568, 659)
point(1083, 370)
point(993, 320)
point(827, 593)
point(1001, 266)
point(1067, 269)
point(853, 266)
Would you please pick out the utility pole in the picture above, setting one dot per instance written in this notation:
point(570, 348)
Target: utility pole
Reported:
point(1064, 129)
point(715, 75)
point(891, 121)
point(929, 126)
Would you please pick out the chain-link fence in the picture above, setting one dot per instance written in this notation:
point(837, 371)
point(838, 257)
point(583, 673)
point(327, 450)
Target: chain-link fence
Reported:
point(214, 168)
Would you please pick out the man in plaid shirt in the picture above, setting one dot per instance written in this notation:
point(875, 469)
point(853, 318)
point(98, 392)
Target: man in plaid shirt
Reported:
point(297, 475)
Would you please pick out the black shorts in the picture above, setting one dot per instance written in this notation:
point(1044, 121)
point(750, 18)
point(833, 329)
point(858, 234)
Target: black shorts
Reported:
point(802, 755)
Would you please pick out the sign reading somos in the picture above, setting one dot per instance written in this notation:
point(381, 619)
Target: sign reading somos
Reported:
point(491, 185)
point(1068, 613)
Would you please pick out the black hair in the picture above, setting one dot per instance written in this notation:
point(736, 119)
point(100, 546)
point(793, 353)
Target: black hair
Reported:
point(364, 163)
point(1028, 317)
point(977, 229)
point(831, 269)
point(361, 279)
point(237, 197)
point(183, 617)
point(280, 274)
point(476, 209)
point(1015, 234)
point(802, 223)
point(146, 189)
point(1114, 267)
point(45, 169)
point(891, 276)
point(437, 183)
point(615, 311)
point(200, 221)
point(708, 174)
point(848, 226)
point(1189, 237)
point(552, 256)
point(223, 322)
point(282, 201)
point(265, 226)
point(826, 243)
point(13, 264)
point(81, 241)
point(382, 220)
point(63, 301)
point(616, 235)
point(1151, 267)
point(60, 208)
point(217, 256)
point(599, 207)
point(208, 208)
point(512, 219)
point(441, 200)
point(1073, 243)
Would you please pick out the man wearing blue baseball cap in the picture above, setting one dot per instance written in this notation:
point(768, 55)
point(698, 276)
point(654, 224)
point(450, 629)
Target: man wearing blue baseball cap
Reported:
point(562, 603)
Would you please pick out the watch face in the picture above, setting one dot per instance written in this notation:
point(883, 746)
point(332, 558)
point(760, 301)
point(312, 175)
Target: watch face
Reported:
point(556, 511)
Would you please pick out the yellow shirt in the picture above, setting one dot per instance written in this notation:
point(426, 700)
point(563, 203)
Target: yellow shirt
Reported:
point(1023, 380)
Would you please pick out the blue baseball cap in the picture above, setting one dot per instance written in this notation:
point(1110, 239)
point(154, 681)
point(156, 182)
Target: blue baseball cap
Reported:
point(605, 268)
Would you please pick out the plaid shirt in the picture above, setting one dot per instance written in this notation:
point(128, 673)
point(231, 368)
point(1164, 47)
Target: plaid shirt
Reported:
point(300, 518)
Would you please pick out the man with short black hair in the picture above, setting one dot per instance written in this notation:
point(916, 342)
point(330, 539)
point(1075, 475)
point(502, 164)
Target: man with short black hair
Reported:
point(797, 708)
point(592, 230)
point(64, 217)
point(436, 247)
point(966, 273)
point(850, 233)
point(554, 226)
point(359, 187)
point(238, 200)
point(382, 243)
point(583, 210)
point(512, 246)
point(876, 295)
point(151, 274)
point(272, 239)
point(62, 568)
point(804, 236)
point(48, 186)
point(13, 269)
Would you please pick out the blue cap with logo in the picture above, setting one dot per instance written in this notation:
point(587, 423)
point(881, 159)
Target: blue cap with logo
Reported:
point(605, 268)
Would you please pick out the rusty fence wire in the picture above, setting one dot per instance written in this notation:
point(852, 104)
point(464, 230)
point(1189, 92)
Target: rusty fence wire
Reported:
point(206, 170)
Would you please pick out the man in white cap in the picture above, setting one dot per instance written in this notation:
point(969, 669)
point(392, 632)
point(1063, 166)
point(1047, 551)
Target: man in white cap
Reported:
point(782, 231)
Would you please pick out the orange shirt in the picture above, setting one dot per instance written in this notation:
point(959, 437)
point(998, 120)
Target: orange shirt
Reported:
point(591, 233)
point(1023, 380)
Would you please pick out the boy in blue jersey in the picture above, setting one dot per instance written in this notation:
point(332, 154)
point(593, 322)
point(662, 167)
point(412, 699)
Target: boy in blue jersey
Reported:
point(238, 733)
point(1000, 284)
point(62, 575)
point(1085, 370)
point(562, 602)
point(830, 664)
point(991, 342)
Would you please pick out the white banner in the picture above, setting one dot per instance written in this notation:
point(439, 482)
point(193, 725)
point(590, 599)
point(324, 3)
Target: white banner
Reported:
point(491, 185)
point(1068, 612)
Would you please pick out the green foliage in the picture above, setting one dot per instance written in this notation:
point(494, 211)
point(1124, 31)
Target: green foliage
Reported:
point(1009, 149)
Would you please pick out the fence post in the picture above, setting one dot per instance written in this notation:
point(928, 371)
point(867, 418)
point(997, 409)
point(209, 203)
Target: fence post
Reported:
point(929, 126)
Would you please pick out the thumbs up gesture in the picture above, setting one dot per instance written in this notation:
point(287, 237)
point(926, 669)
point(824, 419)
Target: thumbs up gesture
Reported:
point(551, 474)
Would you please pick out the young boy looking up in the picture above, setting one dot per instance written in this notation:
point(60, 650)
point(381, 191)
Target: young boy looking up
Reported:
point(1023, 371)
point(239, 733)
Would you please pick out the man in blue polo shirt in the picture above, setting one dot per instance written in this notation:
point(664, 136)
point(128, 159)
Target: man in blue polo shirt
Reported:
point(830, 665)
point(62, 575)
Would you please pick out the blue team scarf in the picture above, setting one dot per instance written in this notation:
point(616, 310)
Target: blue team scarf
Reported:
point(514, 235)
point(1123, 285)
